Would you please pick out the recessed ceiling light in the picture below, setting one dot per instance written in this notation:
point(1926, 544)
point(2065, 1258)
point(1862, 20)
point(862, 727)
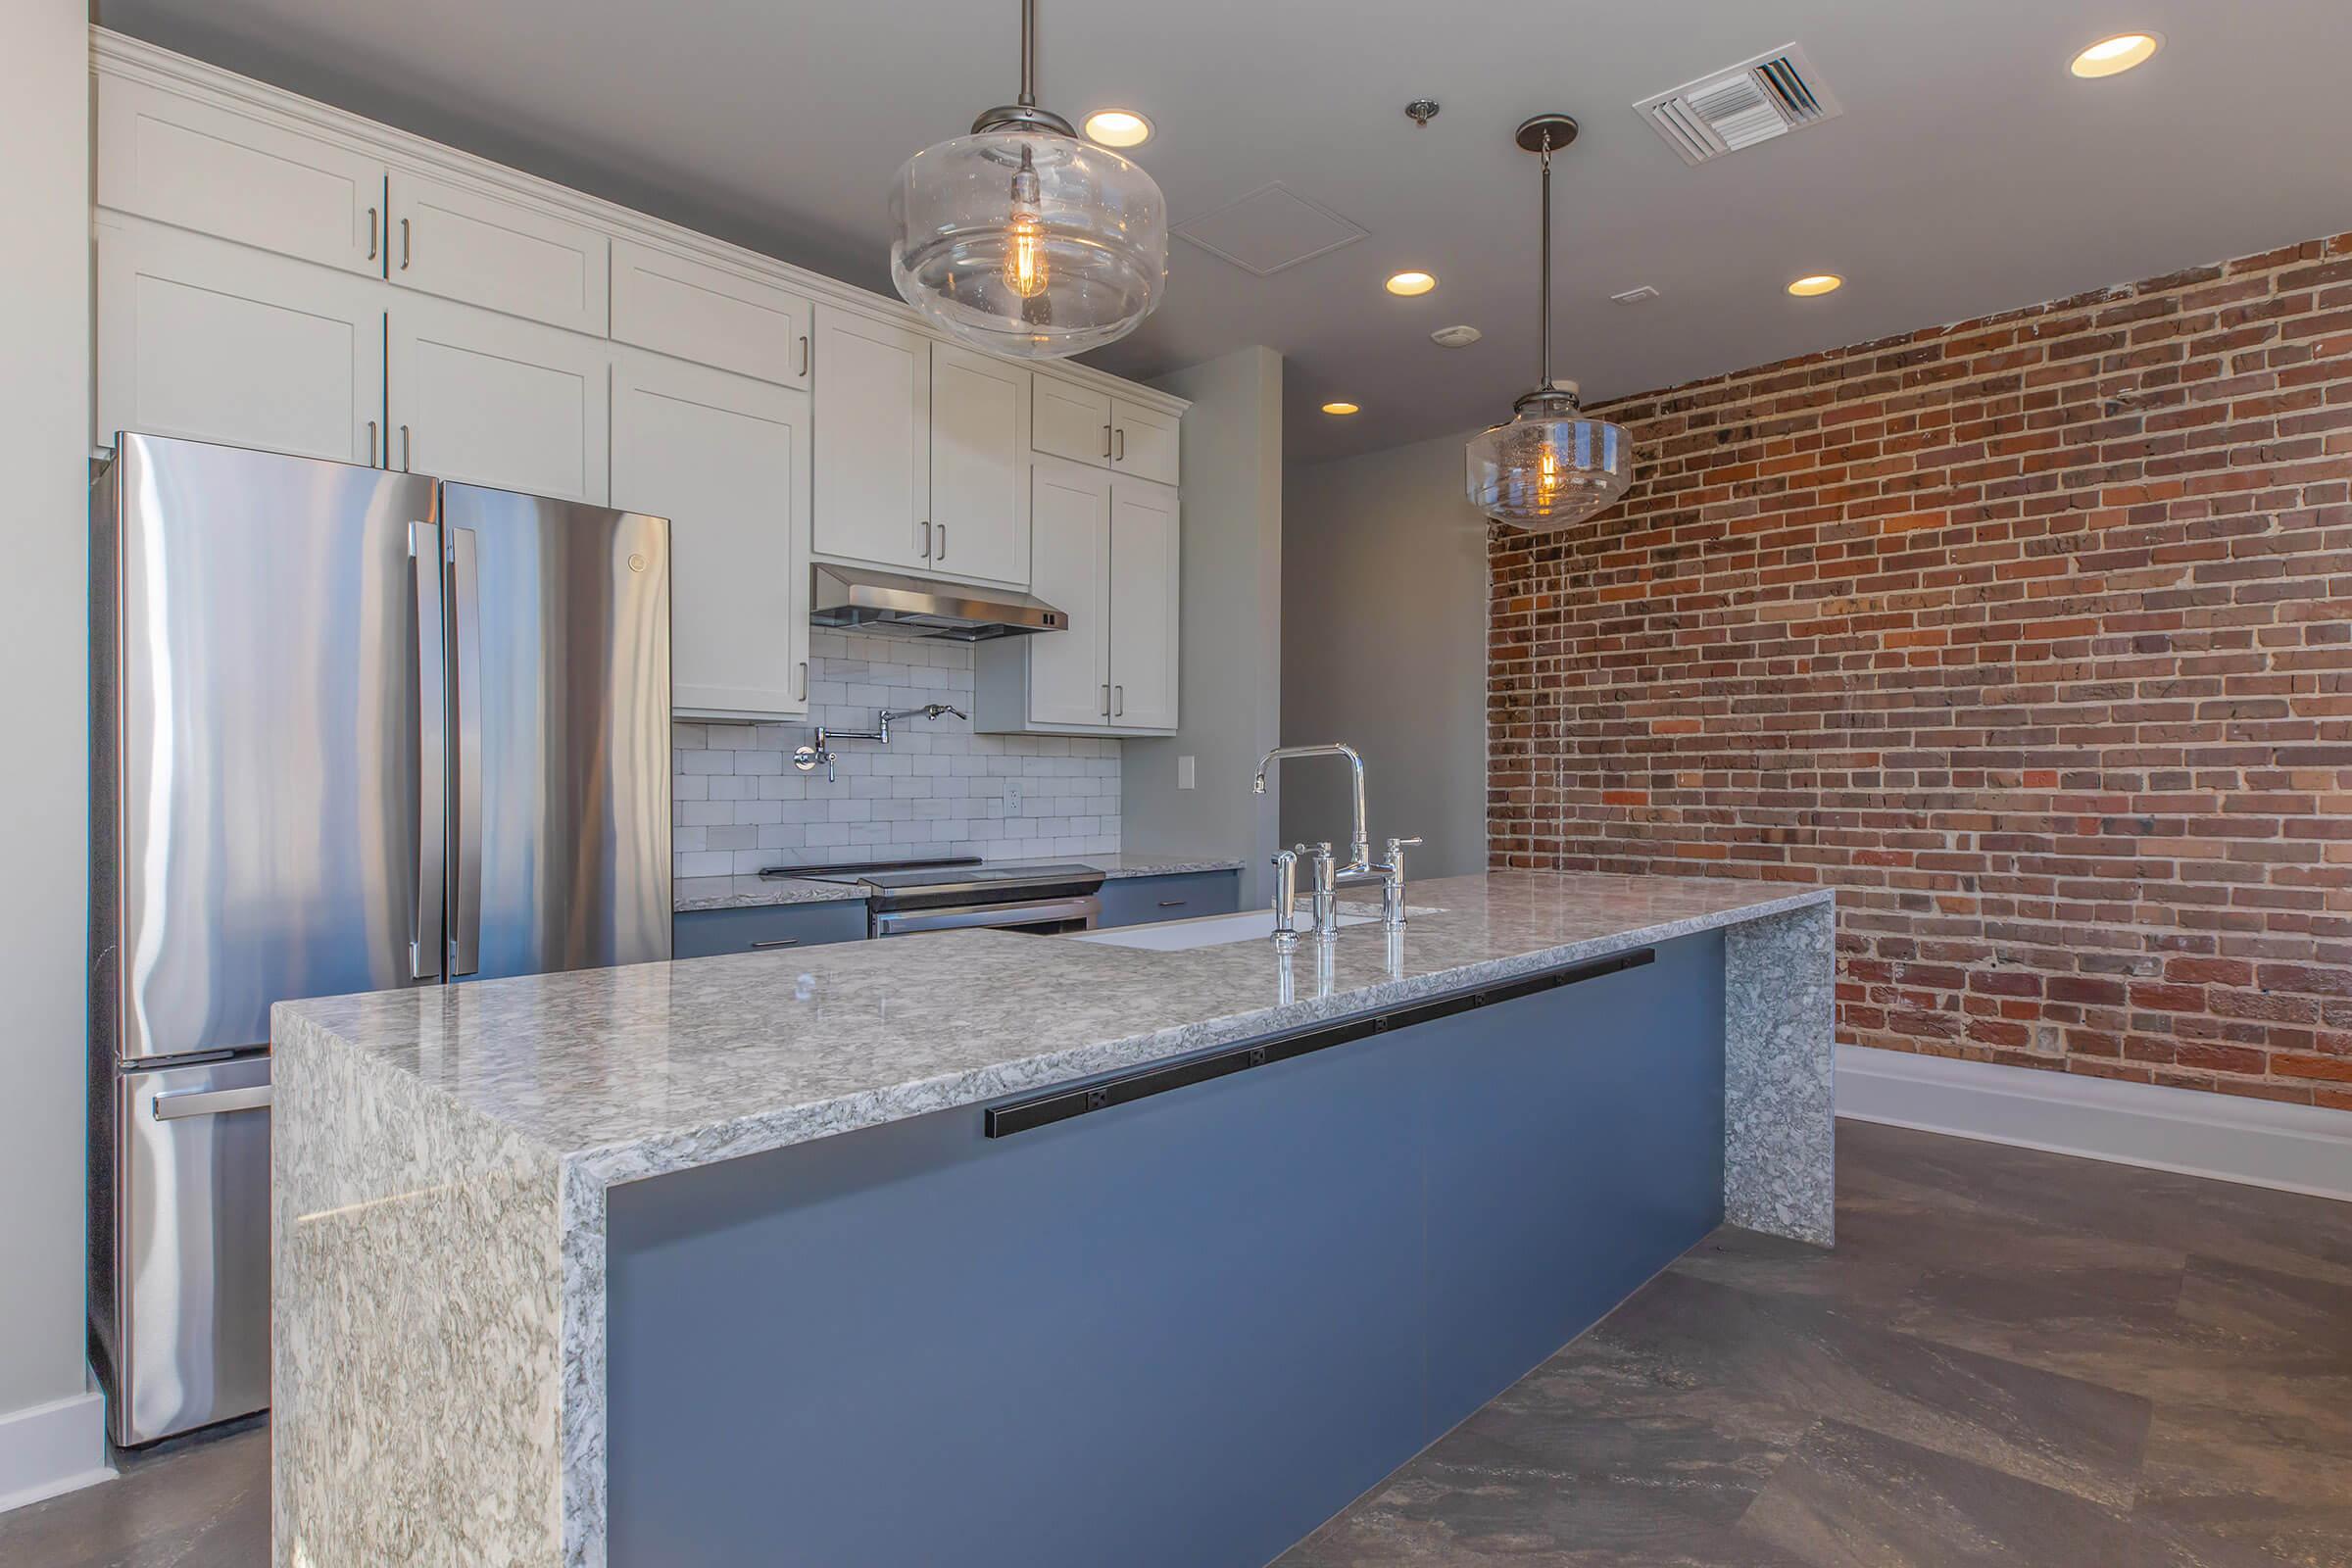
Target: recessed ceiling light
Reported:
point(1410, 283)
point(1117, 127)
point(2120, 52)
point(1340, 408)
point(1804, 288)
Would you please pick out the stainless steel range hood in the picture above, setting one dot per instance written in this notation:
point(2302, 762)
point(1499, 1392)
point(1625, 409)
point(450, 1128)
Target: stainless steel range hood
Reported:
point(856, 599)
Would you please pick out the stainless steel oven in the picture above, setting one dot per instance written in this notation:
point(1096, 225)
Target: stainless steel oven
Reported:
point(908, 897)
point(1038, 916)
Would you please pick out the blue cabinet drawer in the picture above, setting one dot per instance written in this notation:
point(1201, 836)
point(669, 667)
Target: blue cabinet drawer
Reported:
point(1141, 899)
point(702, 933)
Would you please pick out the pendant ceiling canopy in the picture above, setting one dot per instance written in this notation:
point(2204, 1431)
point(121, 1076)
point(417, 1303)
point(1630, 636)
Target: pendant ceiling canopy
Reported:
point(1022, 239)
point(1548, 467)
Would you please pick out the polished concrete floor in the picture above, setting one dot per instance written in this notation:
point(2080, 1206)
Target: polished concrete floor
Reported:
point(2011, 1358)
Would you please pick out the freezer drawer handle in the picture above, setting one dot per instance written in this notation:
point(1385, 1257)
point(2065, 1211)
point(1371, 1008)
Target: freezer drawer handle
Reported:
point(209, 1101)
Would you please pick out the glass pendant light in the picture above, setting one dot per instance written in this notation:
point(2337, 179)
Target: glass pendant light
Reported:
point(1024, 240)
point(1549, 466)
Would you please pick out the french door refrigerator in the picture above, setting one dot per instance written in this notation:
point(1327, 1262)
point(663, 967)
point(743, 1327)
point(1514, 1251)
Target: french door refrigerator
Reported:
point(351, 730)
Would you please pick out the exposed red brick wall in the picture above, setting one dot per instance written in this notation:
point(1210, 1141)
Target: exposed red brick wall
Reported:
point(2032, 635)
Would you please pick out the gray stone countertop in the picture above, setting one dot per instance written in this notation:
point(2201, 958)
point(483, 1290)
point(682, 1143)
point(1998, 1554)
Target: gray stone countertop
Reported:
point(753, 892)
point(631, 1072)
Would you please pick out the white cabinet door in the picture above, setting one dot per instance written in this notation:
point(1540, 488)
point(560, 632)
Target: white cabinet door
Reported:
point(1142, 442)
point(1069, 671)
point(504, 257)
point(211, 341)
point(1145, 560)
point(979, 465)
point(873, 449)
point(725, 458)
point(709, 315)
point(1072, 422)
point(198, 167)
point(486, 399)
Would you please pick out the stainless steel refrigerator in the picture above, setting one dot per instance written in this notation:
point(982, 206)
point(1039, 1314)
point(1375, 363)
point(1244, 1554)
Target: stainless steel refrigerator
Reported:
point(351, 730)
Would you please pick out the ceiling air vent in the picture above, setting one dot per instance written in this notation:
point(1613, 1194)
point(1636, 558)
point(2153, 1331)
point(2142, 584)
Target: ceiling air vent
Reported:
point(1769, 96)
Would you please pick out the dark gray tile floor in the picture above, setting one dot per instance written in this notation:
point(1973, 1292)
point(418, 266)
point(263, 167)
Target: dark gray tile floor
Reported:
point(2011, 1358)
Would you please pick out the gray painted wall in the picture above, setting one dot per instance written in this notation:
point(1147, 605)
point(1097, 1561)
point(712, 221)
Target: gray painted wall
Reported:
point(1384, 645)
point(1229, 692)
point(44, 624)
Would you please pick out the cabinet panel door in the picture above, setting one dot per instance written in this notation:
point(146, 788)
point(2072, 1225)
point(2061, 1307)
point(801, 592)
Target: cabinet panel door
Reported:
point(497, 255)
point(979, 465)
point(211, 341)
point(1144, 560)
point(198, 167)
point(1142, 442)
point(725, 458)
point(874, 462)
point(485, 399)
point(1070, 675)
point(709, 316)
point(1071, 422)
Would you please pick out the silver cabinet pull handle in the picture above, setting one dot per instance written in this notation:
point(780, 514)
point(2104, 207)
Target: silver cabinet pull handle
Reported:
point(926, 539)
point(1173, 904)
point(1106, 443)
point(424, 583)
point(371, 246)
point(804, 680)
point(943, 543)
point(1118, 695)
point(804, 354)
point(465, 685)
point(1106, 699)
point(404, 244)
point(372, 443)
point(1122, 457)
point(209, 1101)
point(777, 941)
point(403, 449)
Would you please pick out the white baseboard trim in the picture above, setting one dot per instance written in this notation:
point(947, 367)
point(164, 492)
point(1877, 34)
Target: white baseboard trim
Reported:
point(2296, 1148)
point(53, 1447)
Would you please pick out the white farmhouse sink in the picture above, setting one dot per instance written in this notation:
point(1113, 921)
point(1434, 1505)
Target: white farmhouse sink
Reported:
point(1207, 931)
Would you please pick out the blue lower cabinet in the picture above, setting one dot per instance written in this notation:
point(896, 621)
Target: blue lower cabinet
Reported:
point(1142, 900)
point(703, 933)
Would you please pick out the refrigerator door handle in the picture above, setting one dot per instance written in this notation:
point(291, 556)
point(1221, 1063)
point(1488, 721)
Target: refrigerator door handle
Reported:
point(465, 671)
point(209, 1101)
point(432, 783)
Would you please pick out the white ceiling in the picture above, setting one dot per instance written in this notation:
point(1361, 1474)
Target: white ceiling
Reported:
point(1969, 173)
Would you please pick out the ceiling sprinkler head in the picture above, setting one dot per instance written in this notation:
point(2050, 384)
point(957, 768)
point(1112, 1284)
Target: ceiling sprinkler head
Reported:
point(1422, 111)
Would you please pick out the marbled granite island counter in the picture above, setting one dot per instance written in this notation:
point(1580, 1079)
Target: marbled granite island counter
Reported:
point(486, 1197)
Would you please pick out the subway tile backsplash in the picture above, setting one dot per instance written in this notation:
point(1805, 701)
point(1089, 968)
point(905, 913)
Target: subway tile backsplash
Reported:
point(937, 788)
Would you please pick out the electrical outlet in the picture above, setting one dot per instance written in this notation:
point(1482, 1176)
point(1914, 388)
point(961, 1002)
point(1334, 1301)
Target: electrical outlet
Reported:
point(1184, 773)
point(1012, 795)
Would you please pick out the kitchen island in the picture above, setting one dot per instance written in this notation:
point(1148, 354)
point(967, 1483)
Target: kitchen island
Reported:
point(991, 1247)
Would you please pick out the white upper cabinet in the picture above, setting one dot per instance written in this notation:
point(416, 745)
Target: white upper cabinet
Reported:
point(489, 399)
point(1142, 442)
point(1072, 422)
point(873, 450)
point(500, 255)
point(194, 166)
point(709, 315)
point(1146, 558)
point(210, 341)
point(979, 465)
point(1069, 671)
point(725, 458)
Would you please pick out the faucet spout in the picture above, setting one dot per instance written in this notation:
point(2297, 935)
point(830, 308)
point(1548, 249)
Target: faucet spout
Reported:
point(1360, 836)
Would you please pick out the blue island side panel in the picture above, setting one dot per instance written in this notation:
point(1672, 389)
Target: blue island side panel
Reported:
point(1180, 1332)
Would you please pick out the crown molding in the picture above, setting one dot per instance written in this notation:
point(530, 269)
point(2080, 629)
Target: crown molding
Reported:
point(115, 53)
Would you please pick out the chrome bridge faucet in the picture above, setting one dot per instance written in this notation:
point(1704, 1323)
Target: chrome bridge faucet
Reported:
point(1360, 865)
point(807, 758)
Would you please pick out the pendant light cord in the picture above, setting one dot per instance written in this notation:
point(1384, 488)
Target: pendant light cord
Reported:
point(1544, 284)
point(1028, 98)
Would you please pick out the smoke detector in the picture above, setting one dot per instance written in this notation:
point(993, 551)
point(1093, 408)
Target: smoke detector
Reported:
point(1773, 94)
point(1636, 296)
point(1454, 337)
